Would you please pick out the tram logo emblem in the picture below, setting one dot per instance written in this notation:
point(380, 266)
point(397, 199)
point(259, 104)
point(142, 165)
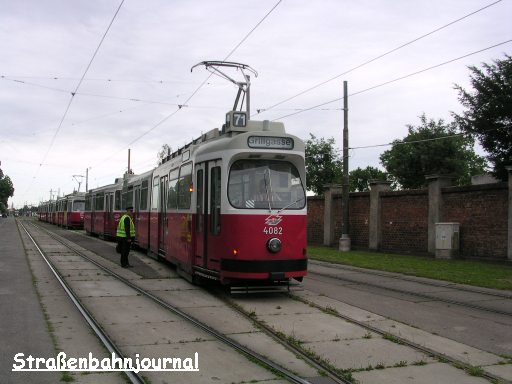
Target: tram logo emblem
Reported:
point(273, 219)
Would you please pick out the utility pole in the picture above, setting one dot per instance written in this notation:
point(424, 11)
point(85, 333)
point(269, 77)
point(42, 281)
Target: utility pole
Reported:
point(86, 179)
point(129, 152)
point(345, 239)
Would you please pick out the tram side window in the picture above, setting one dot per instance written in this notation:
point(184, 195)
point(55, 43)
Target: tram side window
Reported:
point(129, 197)
point(117, 202)
point(200, 201)
point(88, 203)
point(185, 186)
point(172, 194)
point(144, 196)
point(155, 197)
point(215, 198)
point(100, 202)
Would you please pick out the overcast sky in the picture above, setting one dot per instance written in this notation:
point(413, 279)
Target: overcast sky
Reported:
point(140, 75)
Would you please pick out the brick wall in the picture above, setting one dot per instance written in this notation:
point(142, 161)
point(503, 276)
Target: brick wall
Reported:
point(405, 221)
point(315, 220)
point(359, 206)
point(481, 210)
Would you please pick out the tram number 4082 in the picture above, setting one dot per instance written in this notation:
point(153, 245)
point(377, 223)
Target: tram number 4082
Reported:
point(273, 230)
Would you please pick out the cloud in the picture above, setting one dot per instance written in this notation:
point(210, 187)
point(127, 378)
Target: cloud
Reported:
point(142, 72)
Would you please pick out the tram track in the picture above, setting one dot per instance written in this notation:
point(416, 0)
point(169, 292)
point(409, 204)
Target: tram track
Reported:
point(134, 378)
point(425, 281)
point(426, 296)
point(317, 361)
point(107, 342)
point(403, 341)
point(337, 375)
point(343, 375)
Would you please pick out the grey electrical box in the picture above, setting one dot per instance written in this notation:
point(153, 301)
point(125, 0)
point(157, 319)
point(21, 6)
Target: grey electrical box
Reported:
point(447, 240)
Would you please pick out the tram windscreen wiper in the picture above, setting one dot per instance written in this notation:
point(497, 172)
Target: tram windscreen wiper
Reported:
point(289, 205)
point(268, 189)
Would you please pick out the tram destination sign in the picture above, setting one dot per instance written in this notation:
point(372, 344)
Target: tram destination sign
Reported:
point(270, 142)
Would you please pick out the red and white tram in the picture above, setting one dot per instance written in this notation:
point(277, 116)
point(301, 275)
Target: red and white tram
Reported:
point(70, 210)
point(42, 212)
point(229, 206)
point(103, 210)
point(136, 192)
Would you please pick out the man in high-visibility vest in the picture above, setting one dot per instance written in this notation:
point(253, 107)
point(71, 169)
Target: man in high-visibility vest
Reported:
point(125, 235)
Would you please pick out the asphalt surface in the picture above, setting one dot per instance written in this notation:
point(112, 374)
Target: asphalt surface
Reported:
point(23, 328)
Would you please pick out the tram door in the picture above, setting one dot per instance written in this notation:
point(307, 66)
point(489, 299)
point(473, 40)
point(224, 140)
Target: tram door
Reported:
point(208, 227)
point(136, 207)
point(109, 218)
point(200, 222)
point(93, 211)
point(162, 216)
point(215, 246)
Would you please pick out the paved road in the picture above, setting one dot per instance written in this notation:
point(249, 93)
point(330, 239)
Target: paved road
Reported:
point(23, 328)
point(483, 330)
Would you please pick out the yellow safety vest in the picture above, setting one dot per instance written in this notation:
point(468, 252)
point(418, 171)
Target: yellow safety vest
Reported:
point(121, 232)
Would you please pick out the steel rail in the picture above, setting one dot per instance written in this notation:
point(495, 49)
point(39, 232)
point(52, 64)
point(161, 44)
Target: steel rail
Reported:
point(107, 342)
point(319, 365)
point(219, 336)
point(400, 340)
point(422, 295)
point(398, 276)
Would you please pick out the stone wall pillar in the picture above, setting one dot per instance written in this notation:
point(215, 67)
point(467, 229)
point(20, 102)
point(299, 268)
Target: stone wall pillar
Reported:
point(329, 194)
point(375, 222)
point(435, 205)
point(509, 235)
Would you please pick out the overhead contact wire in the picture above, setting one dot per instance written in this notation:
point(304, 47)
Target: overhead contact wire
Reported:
point(378, 57)
point(73, 95)
point(195, 91)
point(394, 80)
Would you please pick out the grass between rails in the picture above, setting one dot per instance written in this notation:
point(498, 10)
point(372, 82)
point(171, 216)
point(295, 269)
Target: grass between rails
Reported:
point(478, 273)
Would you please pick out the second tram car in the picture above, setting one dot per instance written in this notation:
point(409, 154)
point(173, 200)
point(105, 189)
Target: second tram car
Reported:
point(70, 210)
point(66, 211)
point(103, 210)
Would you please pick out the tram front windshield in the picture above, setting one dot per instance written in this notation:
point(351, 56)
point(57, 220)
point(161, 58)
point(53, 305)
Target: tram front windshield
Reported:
point(78, 205)
point(265, 184)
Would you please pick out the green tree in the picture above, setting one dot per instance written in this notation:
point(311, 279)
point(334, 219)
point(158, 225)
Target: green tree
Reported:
point(359, 179)
point(488, 112)
point(323, 164)
point(162, 154)
point(6, 190)
point(425, 151)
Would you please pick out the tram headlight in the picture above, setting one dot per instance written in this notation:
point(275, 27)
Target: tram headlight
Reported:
point(274, 245)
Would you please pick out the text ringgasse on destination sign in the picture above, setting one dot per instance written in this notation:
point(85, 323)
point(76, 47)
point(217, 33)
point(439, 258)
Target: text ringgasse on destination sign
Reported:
point(270, 142)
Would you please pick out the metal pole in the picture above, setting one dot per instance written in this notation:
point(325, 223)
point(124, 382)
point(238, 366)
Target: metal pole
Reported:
point(345, 239)
point(87, 180)
point(248, 100)
point(128, 161)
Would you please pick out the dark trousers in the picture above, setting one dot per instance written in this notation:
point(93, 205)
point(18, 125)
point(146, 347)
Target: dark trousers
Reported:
point(125, 250)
